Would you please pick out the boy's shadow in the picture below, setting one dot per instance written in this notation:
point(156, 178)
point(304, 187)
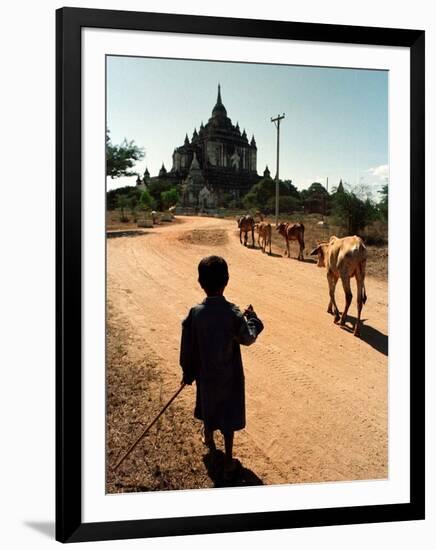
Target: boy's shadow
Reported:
point(243, 477)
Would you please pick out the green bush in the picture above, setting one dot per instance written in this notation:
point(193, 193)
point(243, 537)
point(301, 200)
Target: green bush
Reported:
point(122, 204)
point(383, 204)
point(169, 198)
point(156, 188)
point(265, 190)
point(287, 204)
point(128, 191)
point(351, 213)
point(146, 200)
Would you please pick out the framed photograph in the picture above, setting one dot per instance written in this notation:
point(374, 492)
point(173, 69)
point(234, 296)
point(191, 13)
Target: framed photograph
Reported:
point(240, 298)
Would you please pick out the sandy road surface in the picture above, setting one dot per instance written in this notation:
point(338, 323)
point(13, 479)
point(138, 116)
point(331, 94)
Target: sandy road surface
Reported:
point(316, 395)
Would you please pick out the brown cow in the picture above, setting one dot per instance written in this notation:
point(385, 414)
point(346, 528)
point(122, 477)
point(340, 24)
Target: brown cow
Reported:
point(265, 234)
point(344, 258)
point(292, 232)
point(246, 225)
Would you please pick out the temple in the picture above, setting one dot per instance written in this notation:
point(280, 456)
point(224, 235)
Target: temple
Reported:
point(217, 161)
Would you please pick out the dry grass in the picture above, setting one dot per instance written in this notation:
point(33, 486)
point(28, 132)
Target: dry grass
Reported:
point(114, 223)
point(211, 237)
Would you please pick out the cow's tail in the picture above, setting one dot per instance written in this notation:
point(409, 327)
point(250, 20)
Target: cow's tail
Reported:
point(364, 296)
point(362, 272)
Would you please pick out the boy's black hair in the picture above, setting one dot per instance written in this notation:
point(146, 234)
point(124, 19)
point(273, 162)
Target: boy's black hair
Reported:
point(213, 273)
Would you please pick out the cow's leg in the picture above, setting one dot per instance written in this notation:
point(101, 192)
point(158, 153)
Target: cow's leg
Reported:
point(240, 235)
point(302, 248)
point(252, 237)
point(288, 248)
point(360, 298)
point(245, 238)
point(270, 245)
point(333, 308)
point(300, 255)
point(345, 278)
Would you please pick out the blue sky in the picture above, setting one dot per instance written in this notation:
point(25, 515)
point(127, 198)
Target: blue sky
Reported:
point(336, 123)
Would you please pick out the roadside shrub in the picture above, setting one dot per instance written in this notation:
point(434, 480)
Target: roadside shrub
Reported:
point(261, 193)
point(352, 213)
point(128, 192)
point(287, 204)
point(169, 198)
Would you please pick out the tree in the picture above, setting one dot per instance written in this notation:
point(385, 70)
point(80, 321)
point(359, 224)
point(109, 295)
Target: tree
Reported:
point(316, 198)
point(121, 158)
point(133, 203)
point(315, 190)
point(169, 198)
point(261, 193)
point(146, 200)
point(123, 203)
point(352, 213)
point(128, 191)
point(383, 204)
point(287, 204)
point(156, 188)
point(292, 190)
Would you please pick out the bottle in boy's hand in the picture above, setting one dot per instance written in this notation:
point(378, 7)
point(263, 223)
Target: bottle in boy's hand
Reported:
point(249, 311)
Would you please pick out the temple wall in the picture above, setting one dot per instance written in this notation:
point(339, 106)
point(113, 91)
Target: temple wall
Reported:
point(253, 163)
point(212, 153)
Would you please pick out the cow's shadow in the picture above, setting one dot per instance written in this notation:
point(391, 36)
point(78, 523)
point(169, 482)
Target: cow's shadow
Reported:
point(272, 255)
point(369, 334)
point(243, 477)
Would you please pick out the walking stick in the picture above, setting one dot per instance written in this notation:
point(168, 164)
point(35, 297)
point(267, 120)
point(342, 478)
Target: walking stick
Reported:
point(148, 427)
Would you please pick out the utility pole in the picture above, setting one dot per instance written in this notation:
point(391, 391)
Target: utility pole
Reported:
point(277, 125)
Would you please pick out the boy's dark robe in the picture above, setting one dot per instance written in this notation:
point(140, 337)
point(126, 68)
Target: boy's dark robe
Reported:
point(210, 354)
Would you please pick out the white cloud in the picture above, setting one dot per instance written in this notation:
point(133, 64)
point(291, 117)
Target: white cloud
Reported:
point(380, 172)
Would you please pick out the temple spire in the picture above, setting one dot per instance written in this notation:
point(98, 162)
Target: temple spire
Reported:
point(218, 100)
point(219, 110)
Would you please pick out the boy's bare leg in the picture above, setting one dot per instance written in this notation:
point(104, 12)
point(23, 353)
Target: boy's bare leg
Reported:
point(228, 445)
point(208, 439)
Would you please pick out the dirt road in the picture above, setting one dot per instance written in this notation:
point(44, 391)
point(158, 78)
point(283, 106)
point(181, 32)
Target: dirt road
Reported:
point(316, 395)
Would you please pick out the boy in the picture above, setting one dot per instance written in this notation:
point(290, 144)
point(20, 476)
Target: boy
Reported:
point(210, 354)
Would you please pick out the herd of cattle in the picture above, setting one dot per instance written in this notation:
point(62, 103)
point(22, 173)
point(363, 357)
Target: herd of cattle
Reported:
point(343, 258)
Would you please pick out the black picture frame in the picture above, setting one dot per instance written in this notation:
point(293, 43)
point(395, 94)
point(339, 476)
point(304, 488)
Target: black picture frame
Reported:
point(69, 525)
